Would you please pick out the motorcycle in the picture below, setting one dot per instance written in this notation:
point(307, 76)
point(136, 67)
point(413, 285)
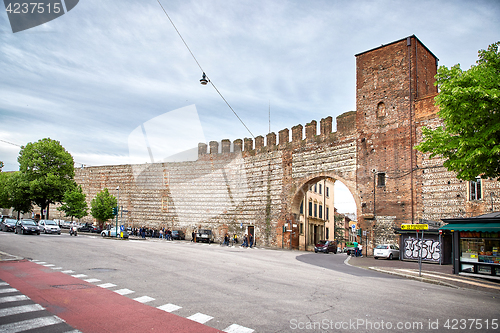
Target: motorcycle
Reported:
point(73, 231)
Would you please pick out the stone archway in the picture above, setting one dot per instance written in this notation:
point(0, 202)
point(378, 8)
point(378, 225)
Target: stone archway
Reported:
point(312, 210)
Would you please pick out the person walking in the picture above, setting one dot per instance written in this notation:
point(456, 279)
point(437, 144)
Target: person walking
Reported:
point(245, 241)
point(355, 248)
point(360, 247)
point(250, 240)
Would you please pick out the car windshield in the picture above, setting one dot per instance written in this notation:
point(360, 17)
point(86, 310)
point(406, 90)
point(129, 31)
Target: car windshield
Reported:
point(321, 242)
point(50, 222)
point(10, 221)
point(29, 223)
point(382, 247)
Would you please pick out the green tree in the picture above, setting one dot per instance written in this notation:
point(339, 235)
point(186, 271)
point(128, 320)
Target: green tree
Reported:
point(49, 170)
point(19, 193)
point(74, 203)
point(4, 189)
point(469, 105)
point(102, 206)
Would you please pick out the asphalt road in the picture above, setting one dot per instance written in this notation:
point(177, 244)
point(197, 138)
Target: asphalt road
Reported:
point(260, 289)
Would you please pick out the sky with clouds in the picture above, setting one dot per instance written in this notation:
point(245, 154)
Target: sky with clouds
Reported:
point(97, 74)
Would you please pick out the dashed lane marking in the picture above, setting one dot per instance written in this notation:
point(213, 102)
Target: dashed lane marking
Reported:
point(200, 318)
point(144, 299)
point(169, 307)
point(107, 285)
point(124, 291)
point(49, 265)
point(91, 280)
point(79, 276)
point(69, 271)
point(235, 328)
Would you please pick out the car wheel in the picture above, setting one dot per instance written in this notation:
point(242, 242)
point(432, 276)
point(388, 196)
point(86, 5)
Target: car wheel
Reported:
point(327, 251)
point(390, 256)
point(38, 233)
point(315, 251)
point(375, 257)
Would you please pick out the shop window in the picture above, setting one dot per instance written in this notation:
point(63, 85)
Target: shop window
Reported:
point(381, 179)
point(475, 189)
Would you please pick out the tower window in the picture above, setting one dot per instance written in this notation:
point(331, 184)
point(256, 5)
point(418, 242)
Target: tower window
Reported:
point(381, 179)
point(381, 110)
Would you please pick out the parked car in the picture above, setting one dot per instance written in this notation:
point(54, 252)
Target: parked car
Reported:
point(90, 228)
point(112, 232)
point(27, 227)
point(64, 224)
point(178, 234)
point(387, 251)
point(8, 225)
point(205, 235)
point(49, 227)
point(326, 246)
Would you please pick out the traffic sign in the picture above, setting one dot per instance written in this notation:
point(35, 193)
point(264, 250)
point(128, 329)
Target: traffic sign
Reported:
point(414, 227)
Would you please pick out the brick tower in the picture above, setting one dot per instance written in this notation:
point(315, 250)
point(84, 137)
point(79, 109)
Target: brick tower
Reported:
point(390, 79)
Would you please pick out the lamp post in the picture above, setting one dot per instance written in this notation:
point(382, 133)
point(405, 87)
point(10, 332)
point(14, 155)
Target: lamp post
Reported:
point(117, 209)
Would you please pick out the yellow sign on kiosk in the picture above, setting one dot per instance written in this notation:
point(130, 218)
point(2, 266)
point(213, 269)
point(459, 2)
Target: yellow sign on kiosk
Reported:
point(414, 227)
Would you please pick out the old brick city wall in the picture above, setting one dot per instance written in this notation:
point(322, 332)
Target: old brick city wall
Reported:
point(260, 183)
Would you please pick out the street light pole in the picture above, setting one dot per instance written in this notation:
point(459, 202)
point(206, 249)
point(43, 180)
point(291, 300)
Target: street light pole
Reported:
point(117, 208)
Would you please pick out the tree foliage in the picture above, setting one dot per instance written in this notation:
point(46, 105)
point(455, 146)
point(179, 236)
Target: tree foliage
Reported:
point(74, 203)
point(49, 170)
point(4, 189)
point(19, 193)
point(102, 206)
point(469, 107)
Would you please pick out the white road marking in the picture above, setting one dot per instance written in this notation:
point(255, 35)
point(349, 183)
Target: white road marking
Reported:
point(69, 271)
point(92, 280)
point(20, 309)
point(235, 328)
point(169, 307)
point(4, 284)
point(200, 318)
point(107, 285)
point(124, 291)
point(40, 262)
point(49, 265)
point(8, 290)
point(13, 298)
point(144, 299)
point(79, 276)
point(30, 324)
point(56, 267)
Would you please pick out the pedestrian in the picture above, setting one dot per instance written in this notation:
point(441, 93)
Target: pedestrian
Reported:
point(161, 233)
point(235, 239)
point(355, 248)
point(250, 240)
point(245, 241)
point(193, 237)
point(360, 247)
point(226, 239)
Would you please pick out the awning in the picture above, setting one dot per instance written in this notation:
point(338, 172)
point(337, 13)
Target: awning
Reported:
point(480, 227)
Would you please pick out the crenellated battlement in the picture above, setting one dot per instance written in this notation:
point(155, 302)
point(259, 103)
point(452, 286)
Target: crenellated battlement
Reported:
point(346, 126)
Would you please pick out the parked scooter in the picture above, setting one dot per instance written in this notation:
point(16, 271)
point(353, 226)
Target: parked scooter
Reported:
point(73, 231)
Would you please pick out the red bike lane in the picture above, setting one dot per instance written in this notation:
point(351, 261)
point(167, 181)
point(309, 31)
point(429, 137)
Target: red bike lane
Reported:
point(90, 308)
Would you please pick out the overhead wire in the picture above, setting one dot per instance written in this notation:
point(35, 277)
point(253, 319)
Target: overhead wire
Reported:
point(203, 71)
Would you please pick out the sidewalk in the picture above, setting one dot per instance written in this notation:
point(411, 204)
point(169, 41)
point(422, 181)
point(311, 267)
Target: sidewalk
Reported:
point(431, 273)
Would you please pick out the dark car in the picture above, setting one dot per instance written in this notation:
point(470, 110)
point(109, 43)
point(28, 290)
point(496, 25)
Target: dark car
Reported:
point(204, 235)
point(178, 234)
point(27, 227)
point(326, 246)
point(8, 225)
point(90, 228)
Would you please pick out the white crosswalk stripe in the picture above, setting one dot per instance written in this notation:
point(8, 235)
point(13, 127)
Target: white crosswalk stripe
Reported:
point(234, 328)
point(43, 320)
point(169, 307)
point(21, 309)
point(30, 324)
point(200, 318)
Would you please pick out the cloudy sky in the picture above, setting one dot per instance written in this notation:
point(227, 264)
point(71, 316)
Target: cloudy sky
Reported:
point(93, 76)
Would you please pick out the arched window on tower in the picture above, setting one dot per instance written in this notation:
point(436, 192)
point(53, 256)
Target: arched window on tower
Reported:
point(381, 112)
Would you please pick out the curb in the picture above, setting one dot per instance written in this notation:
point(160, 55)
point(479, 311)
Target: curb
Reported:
point(412, 277)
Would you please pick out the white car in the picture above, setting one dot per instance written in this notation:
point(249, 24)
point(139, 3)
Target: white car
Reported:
point(49, 227)
point(387, 251)
point(112, 232)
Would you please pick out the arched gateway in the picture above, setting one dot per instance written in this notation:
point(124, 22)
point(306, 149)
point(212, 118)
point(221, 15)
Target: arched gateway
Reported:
point(251, 187)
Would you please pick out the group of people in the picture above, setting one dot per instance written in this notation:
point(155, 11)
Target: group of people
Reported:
point(143, 232)
point(358, 249)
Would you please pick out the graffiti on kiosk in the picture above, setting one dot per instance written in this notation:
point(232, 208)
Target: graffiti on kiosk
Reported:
point(430, 249)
